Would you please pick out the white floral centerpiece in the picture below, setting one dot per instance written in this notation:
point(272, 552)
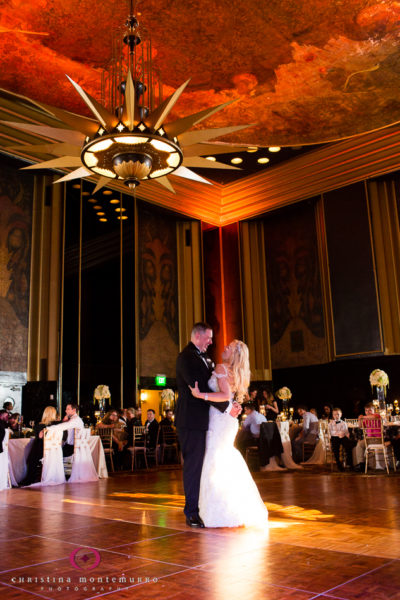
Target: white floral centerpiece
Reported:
point(102, 392)
point(167, 400)
point(379, 379)
point(167, 395)
point(284, 393)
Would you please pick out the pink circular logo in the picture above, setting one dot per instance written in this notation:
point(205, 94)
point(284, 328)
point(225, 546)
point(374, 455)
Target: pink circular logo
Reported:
point(84, 559)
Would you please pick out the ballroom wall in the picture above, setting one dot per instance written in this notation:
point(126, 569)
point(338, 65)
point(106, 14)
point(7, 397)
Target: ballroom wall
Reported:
point(311, 286)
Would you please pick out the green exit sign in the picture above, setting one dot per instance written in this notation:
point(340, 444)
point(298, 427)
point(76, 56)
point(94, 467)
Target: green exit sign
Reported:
point(161, 379)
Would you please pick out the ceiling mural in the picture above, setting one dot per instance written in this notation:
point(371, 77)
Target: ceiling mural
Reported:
point(302, 72)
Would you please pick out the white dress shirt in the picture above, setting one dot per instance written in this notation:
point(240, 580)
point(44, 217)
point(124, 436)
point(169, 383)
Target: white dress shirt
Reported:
point(338, 429)
point(308, 420)
point(74, 422)
point(253, 422)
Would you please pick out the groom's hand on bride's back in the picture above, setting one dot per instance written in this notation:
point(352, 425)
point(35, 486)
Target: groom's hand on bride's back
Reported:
point(235, 410)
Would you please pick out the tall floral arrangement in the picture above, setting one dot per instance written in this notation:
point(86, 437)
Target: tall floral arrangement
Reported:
point(102, 392)
point(379, 378)
point(284, 393)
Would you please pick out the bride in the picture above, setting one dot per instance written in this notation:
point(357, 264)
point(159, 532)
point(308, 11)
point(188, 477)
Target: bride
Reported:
point(228, 495)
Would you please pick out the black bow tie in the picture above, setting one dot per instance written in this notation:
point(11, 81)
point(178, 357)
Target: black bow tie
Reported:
point(202, 354)
point(337, 422)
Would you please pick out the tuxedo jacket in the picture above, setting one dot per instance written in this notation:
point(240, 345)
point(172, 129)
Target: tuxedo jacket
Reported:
point(153, 430)
point(191, 412)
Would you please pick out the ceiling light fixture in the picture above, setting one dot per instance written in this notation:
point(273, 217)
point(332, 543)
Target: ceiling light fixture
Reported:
point(274, 148)
point(252, 149)
point(263, 160)
point(129, 140)
point(237, 160)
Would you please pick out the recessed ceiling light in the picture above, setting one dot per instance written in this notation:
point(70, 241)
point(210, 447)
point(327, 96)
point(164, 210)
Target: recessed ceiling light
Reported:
point(274, 148)
point(237, 160)
point(120, 209)
point(122, 217)
point(252, 149)
point(97, 207)
point(77, 186)
point(92, 200)
point(114, 201)
point(263, 160)
point(101, 214)
point(85, 193)
point(103, 220)
point(211, 158)
point(107, 192)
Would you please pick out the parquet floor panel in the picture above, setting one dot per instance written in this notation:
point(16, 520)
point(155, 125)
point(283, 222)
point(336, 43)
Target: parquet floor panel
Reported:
point(333, 536)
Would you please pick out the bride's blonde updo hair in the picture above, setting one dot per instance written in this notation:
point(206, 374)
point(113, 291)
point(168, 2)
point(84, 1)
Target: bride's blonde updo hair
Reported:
point(240, 369)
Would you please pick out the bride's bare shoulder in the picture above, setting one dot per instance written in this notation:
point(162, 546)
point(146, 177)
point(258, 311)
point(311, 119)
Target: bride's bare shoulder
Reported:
point(220, 369)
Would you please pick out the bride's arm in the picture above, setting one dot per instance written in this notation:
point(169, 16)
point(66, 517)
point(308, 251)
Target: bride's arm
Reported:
point(223, 395)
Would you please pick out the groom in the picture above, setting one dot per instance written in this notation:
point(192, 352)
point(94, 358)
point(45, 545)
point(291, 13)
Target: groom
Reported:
point(191, 415)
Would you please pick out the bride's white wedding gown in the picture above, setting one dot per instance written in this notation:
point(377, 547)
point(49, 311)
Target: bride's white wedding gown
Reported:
point(228, 495)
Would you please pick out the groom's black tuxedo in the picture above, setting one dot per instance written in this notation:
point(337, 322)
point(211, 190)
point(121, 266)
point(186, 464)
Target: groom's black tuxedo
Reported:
point(191, 420)
point(191, 412)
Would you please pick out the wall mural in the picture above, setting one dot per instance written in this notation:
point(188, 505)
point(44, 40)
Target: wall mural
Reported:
point(158, 293)
point(294, 288)
point(15, 251)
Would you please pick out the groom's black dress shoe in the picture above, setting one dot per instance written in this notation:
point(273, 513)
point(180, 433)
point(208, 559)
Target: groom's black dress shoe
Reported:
point(194, 521)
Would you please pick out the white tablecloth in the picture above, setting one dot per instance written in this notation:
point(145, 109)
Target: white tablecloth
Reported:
point(18, 451)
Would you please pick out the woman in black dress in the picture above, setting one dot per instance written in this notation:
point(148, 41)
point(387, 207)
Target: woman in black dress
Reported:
point(271, 406)
point(49, 417)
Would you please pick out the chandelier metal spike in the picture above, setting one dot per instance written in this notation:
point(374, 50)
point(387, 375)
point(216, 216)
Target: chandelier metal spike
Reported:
point(128, 139)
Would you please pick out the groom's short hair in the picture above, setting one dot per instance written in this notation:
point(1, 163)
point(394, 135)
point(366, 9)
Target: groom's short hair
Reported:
point(200, 327)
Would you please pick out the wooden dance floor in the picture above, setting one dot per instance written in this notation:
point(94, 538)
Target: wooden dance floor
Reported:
point(330, 536)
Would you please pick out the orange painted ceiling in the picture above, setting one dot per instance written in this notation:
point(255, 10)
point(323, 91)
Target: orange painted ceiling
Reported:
point(304, 71)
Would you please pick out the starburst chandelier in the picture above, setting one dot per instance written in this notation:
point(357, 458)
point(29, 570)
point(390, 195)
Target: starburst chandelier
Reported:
point(129, 140)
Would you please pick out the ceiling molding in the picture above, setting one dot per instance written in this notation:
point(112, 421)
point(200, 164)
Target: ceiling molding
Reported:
point(330, 167)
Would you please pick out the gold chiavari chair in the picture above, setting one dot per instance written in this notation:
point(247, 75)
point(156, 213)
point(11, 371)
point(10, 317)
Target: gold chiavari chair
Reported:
point(139, 445)
point(373, 432)
point(168, 441)
point(106, 434)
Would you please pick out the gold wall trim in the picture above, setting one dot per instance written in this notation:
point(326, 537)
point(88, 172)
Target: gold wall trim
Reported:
point(325, 280)
point(386, 243)
point(255, 299)
point(45, 290)
point(190, 282)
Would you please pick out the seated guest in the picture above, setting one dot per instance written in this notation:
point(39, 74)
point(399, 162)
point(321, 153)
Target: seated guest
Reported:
point(3, 426)
point(340, 436)
point(8, 406)
point(111, 421)
point(49, 417)
point(249, 434)
point(70, 422)
point(167, 421)
point(327, 412)
point(271, 405)
point(308, 433)
point(14, 425)
point(122, 416)
point(119, 435)
point(138, 417)
point(369, 410)
point(151, 426)
point(130, 424)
